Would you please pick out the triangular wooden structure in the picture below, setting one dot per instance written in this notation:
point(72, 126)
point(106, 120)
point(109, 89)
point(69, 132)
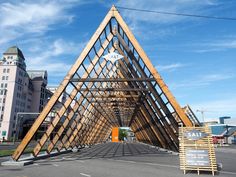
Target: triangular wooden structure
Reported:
point(127, 92)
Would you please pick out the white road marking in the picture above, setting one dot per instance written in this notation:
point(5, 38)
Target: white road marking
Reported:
point(83, 174)
point(81, 161)
point(69, 158)
point(128, 161)
point(171, 166)
point(55, 165)
point(162, 165)
point(154, 164)
point(228, 172)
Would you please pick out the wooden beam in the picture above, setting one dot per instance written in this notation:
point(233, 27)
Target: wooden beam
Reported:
point(111, 89)
point(16, 155)
point(112, 79)
point(152, 69)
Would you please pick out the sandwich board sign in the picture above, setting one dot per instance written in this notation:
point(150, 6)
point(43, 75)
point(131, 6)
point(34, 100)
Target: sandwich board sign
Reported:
point(197, 149)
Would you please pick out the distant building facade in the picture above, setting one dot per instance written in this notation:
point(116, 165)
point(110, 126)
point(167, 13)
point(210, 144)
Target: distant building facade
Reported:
point(20, 90)
point(223, 132)
point(50, 91)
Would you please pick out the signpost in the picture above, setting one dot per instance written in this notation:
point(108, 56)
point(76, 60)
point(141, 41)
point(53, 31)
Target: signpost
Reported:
point(197, 150)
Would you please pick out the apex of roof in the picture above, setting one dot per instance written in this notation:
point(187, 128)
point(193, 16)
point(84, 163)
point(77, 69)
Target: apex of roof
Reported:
point(14, 50)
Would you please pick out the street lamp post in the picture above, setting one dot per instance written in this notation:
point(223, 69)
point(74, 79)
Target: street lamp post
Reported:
point(17, 120)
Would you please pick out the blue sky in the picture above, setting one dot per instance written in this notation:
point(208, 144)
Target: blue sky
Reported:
point(195, 56)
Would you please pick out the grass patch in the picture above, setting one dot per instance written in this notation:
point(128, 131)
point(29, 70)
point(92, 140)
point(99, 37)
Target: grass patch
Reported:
point(11, 151)
point(6, 152)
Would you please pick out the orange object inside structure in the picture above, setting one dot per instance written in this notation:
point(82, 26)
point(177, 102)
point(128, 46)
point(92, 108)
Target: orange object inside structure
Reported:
point(115, 134)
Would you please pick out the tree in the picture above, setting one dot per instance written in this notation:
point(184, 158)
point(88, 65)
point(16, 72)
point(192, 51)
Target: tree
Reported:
point(122, 134)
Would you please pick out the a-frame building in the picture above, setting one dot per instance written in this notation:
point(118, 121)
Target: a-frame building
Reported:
point(105, 91)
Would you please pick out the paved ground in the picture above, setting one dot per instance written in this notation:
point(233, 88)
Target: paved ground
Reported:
point(227, 156)
point(116, 160)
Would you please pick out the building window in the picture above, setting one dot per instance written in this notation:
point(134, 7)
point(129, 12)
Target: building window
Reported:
point(3, 108)
point(3, 77)
point(4, 70)
point(19, 80)
point(8, 70)
point(18, 95)
point(3, 86)
point(6, 77)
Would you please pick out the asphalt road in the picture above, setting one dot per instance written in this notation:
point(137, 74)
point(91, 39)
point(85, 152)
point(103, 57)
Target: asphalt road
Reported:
point(116, 160)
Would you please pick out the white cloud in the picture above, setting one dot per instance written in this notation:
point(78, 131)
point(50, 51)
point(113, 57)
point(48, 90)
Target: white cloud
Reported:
point(50, 56)
point(165, 24)
point(29, 21)
point(7, 35)
point(24, 15)
point(170, 67)
point(60, 46)
point(215, 77)
point(225, 43)
point(230, 44)
point(31, 18)
point(174, 6)
point(216, 108)
point(201, 81)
